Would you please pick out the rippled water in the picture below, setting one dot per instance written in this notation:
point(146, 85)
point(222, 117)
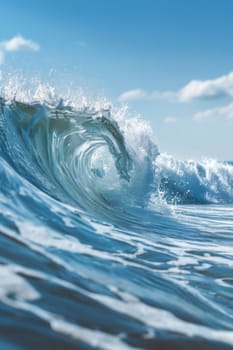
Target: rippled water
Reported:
point(104, 242)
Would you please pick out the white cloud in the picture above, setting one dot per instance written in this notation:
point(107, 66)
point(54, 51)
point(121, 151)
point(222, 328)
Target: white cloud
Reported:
point(195, 89)
point(130, 95)
point(139, 94)
point(15, 44)
point(218, 112)
point(169, 120)
point(19, 43)
point(206, 89)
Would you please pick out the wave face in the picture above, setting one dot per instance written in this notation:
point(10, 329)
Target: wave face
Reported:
point(104, 242)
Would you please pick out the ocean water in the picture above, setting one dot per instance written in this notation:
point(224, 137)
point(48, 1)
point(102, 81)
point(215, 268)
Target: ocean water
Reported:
point(106, 243)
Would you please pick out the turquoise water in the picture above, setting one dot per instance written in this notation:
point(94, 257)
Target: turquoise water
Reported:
point(104, 241)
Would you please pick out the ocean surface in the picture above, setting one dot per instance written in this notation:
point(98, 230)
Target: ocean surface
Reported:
point(105, 241)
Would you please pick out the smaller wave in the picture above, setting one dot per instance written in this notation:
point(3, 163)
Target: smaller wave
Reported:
point(190, 182)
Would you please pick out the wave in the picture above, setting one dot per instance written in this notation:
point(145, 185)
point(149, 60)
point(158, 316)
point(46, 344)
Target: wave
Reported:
point(102, 161)
point(77, 156)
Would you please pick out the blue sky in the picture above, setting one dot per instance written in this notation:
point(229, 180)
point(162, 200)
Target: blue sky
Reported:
point(141, 52)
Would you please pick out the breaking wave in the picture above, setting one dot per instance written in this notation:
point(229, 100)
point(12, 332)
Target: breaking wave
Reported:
point(87, 158)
